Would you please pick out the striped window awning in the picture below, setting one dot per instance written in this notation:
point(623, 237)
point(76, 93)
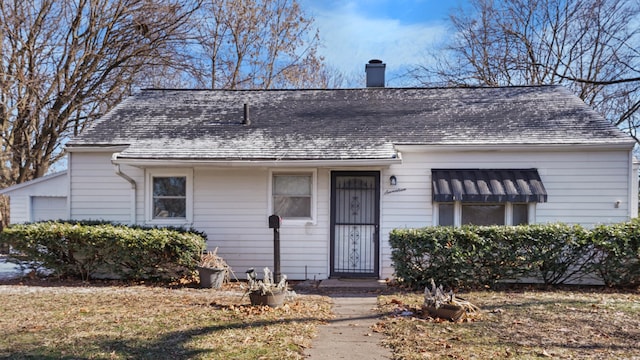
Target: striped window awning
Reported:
point(487, 185)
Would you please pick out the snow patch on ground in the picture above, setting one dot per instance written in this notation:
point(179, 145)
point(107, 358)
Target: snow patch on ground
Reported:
point(8, 270)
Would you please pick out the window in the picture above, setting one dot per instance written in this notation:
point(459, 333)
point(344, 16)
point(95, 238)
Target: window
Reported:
point(485, 214)
point(486, 196)
point(292, 195)
point(520, 214)
point(445, 214)
point(459, 213)
point(169, 197)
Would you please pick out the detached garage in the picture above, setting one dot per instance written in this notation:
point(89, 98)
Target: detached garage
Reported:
point(41, 199)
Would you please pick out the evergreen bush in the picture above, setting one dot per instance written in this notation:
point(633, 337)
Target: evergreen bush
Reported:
point(481, 256)
point(617, 259)
point(93, 249)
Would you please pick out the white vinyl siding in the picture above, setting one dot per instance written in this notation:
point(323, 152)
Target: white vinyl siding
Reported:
point(98, 193)
point(233, 205)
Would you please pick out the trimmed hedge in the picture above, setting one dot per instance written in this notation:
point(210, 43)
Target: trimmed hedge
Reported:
point(618, 255)
point(477, 256)
point(95, 249)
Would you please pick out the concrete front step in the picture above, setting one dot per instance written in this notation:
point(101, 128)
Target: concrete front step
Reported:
point(343, 285)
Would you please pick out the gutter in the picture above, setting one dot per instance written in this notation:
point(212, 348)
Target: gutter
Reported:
point(255, 163)
point(133, 186)
point(512, 147)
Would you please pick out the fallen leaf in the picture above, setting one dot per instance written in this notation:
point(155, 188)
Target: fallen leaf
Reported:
point(378, 327)
point(546, 354)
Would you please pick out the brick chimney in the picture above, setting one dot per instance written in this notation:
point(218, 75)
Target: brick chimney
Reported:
point(375, 73)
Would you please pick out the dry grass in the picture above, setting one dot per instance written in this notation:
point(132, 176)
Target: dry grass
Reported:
point(519, 325)
point(139, 322)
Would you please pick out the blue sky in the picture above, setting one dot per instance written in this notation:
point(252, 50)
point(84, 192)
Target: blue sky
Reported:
point(402, 33)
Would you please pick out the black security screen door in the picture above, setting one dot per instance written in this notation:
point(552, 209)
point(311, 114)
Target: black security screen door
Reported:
point(355, 214)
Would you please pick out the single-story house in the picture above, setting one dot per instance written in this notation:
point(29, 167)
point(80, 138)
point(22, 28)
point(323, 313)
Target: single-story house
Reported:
point(343, 167)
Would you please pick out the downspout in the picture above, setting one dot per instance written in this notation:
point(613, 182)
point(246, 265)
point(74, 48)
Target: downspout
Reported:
point(633, 186)
point(119, 172)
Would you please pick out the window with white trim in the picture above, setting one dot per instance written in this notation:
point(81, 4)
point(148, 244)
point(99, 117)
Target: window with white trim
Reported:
point(483, 214)
point(459, 213)
point(169, 197)
point(292, 195)
point(520, 214)
point(446, 214)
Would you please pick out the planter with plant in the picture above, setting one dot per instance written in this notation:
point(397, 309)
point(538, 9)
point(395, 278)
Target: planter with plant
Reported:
point(439, 304)
point(212, 270)
point(266, 291)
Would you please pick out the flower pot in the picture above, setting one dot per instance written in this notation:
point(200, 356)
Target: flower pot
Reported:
point(211, 277)
point(274, 299)
point(445, 311)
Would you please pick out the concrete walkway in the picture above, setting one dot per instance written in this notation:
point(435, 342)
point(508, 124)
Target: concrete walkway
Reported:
point(349, 335)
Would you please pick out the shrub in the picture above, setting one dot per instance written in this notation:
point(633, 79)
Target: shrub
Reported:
point(558, 253)
point(617, 258)
point(475, 256)
point(100, 249)
point(468, 256)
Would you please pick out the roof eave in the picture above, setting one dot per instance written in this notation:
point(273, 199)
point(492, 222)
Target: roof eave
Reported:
point(33, 182)
point(515, 147)
point(117, 159)
point(96, 148)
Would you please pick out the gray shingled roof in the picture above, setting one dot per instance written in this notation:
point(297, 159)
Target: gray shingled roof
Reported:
point(342, 123)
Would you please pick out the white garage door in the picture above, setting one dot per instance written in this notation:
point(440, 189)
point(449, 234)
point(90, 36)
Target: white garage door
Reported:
point(48, 208)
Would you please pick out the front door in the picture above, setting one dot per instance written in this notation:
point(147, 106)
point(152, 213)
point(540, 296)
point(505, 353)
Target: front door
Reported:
point(355, 223)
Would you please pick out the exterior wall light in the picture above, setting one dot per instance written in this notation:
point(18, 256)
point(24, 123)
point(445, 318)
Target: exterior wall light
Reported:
point(393, 181)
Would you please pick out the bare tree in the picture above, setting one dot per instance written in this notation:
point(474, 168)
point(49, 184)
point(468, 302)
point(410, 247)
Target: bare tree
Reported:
point(66, 62)
point(588, 46)
point(256, 44)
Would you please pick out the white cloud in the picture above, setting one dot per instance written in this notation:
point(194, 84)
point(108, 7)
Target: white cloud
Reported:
point(350, 40)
